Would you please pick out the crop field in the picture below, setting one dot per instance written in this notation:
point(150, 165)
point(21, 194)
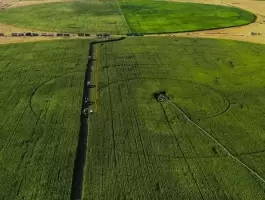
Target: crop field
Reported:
point(122, 16)
point(139, 148)
point(78, 16)
point(41, 93)
point(161, 17)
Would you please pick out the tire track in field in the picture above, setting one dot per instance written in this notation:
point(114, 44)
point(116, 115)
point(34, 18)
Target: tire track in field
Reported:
point(216, 115)
point(181, 151)
point(252, 171)
point(199, 163)
point(126, 23)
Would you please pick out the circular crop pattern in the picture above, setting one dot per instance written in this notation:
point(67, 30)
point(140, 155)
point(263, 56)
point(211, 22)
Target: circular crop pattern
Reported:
point(164, 17)
point(52, 96)
point(199, 101)
point(139, 16)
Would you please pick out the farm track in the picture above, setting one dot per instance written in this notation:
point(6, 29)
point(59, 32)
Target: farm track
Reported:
point(77, 181)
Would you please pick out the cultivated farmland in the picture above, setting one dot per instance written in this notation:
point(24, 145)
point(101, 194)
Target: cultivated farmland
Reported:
point(41, 90)
point(78, 16)
point(139, 16)
point(203, 140)
point(162, 17)
point(143, 149)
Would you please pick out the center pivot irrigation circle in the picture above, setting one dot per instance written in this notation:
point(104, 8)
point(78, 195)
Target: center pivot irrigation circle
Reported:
point(199, 100)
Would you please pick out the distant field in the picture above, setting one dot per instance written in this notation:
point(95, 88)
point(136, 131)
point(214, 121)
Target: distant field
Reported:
point(141, 149)
point(160, 17)
point(78, 16)
point(41, 91)
point(141, 16)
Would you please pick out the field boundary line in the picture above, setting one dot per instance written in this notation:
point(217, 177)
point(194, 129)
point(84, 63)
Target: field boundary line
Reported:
point(119, 7)
point(215, 140)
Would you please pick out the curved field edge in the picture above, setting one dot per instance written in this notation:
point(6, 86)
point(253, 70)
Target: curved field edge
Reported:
point(142, 149)
point(167, 15)
point(41, 94)
point(150, 17)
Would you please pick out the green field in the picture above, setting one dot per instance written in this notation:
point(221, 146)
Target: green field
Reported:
point(160, 17)
point(141, 149)
point(79, 16)
point(41, 91)
point(121, 17)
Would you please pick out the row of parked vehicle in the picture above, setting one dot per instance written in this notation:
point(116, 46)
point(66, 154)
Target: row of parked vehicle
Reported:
point(135, 34)
point(67, 34)
point(46, 34)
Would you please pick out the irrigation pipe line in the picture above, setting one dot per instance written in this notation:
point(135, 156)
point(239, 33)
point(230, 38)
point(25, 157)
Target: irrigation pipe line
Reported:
point(119, 7)
point(208, 134)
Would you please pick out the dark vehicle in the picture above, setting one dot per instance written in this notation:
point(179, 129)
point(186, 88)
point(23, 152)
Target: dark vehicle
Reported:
point(106, 34)
point(28, 34)
point(35, 34)
point(66, 34)
point(44, 34)
point(59, 34)
point(87, 111)
point(161, 96)
point(2, 34)
point(135, 34)
point(20, 34)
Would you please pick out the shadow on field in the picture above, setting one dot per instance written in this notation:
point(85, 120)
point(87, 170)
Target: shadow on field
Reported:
point(77, 181)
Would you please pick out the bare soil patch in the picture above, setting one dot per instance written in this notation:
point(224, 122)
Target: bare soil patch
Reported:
point(14, 3)
point(9, 40)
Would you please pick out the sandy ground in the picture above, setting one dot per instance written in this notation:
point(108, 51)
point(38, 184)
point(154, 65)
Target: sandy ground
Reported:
point(16, 3)
point(9, 40)
point(236, 33)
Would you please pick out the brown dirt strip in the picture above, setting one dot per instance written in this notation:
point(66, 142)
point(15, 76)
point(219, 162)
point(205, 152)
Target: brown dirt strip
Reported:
point(13, 4)
point(10, 40)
